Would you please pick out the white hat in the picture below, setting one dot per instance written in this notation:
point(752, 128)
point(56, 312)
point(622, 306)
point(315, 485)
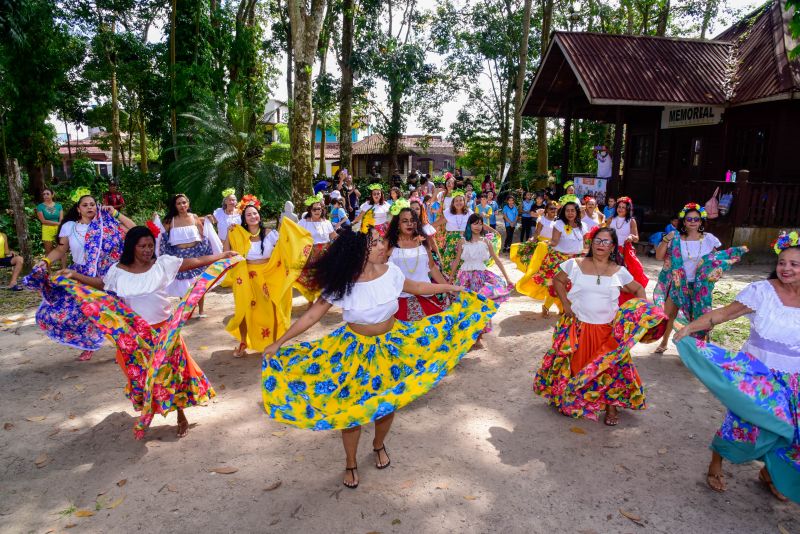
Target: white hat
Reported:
point(335, 194)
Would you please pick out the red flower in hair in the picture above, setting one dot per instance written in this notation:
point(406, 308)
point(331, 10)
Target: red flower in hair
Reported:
point(153, 228)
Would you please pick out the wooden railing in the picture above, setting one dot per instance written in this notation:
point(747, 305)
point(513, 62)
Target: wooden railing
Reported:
point(768, 204)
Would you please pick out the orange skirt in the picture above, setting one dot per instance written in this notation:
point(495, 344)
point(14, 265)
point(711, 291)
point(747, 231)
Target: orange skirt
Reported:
point(594, 341)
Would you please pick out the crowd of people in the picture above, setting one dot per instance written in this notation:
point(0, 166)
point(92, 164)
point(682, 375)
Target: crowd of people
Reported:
point(412, 272)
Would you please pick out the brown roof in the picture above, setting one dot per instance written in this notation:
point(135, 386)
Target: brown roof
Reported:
point(88, 148)
point(747, 62)
point(331, 150)
point(421, 145)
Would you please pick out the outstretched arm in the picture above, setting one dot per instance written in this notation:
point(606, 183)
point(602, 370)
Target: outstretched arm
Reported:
point(308, 319)
point(708, 321)
point(94, 281)
point(425, 288)
point(193, 263)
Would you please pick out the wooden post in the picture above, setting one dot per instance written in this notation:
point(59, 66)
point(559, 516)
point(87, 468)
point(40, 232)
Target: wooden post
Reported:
point(17, 205)
point(741, 199)
point(566, 147)
point(616, 154)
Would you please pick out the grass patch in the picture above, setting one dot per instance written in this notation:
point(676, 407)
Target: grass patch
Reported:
point(12, 302)
point(732, 334)
point(68, 511)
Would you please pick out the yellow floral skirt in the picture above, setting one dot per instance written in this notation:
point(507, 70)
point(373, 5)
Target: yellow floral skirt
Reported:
point(346, 379)
point(527, 285)
point(256, 308)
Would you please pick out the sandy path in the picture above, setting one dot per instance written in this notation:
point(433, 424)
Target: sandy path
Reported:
point(480, 453)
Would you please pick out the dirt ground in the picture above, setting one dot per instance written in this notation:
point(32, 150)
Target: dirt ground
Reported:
point(480, 453)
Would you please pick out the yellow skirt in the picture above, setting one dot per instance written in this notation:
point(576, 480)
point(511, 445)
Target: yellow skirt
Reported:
point(346, 379)
point(526, 285)
point(49, 233)
point(256, 308)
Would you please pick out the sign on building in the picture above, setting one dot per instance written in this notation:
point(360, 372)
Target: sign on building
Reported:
point(681, 117)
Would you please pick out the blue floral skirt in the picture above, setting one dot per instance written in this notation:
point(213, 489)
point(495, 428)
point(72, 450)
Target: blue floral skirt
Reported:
point(346, 379)
point(762, 421)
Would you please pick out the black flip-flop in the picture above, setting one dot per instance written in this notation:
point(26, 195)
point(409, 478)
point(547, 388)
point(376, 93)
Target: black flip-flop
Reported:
point(387, 464)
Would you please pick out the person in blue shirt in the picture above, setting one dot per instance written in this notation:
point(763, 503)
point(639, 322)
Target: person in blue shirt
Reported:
point(656, 238)
point(484, 209)
point(528, 218)
point(611, 208)
point(510, 218)
point(495, 209)
point(338, 214)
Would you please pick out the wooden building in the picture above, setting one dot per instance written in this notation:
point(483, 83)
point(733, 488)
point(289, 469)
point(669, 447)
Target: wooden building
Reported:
point(691, 110)
point(427, 154)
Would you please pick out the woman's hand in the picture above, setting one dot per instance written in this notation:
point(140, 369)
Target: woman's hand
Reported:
point(227, 254)
point(454, 289)
point(109, 209)
point(273, 349)
point(66, 273)
point(568, 309)
point(680, 334)
point(42, 264)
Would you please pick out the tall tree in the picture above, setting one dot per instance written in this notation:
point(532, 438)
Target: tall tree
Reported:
point(519, 88)
point(541, 122)
point(345, 59)
point(306, 21)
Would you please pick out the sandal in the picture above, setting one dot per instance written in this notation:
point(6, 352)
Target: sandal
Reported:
point(765, 479)
point(353, 473)
point(388, 460)
point(86, 356)
point(240, 351)
point(720, 480)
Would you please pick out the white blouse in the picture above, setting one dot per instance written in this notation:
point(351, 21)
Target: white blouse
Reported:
point(693, 251)
point(381, 211)
point(225, 221)
point(429, 230)
point(320, 230)
point(572, 242)
point(413, 262)
point(255, 252)
point(145, 293)
point(591, 222)
point(372, 302)
point(623, 229)
point(456, 222)
point(474, 255)
point(76, 234)
point(774, 328)
point(591, 302)
point(547, 227)
point(182, 235)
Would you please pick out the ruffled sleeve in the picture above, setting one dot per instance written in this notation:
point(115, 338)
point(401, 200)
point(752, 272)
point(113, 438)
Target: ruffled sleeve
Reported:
point(366, 295)
point(110, 278)
point(160, 275)
point(712, 242)
point(570, 267)
point(623, 277)
point(66, 229)
point(559, 225)
point(755, 295)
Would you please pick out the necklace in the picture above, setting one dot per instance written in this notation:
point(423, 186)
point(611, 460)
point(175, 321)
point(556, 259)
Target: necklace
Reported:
point(598, 271)
point(416, 261)
point(689, 251)
point(619, 226)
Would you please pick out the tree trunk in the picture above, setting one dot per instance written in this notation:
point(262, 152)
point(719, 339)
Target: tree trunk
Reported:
point(173, 114)
point(17, 204)
point(346, 95)
point(143, 164)
point(65, 168)
point(324, 40)
point(541, 123)
point(663, 19)
point(519, 87)
point(393, 140)
point(709, 12)
point(116, 157)
point(322, 169)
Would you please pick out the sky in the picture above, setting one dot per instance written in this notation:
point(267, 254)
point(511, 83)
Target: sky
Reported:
point(449, 110)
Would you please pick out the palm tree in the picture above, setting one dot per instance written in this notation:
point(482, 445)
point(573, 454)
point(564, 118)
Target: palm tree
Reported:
point(227, 149)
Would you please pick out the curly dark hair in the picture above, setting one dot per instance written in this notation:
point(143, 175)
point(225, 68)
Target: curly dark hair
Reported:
point(172, 211)
point(337, 270)
point(261, 229)
point(682, 223)
point(131, 240)
point(614, 257)
point(628, 210)
point(72, 214)
point(393, 233)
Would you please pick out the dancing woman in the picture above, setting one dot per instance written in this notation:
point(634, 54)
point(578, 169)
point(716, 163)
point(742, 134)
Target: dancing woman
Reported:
point(380, 208)
point(522, 253)
point(428, 230)
point(475, 250)
point(589, 367)
point(410, 250)
point(183, 237)
point(567, 242)
point(627, 231)
point(370, 367)
point(760, 385)
point(262, 285)
point(591, 215)
point(322, 233)
point(692, 266)
point(93, 237)
point(227, 215)
point(454, 221)
point(159, 381)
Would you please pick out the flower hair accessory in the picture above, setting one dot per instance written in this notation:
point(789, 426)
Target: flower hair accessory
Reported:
point(587, 198)
point(569, 198)
point(310, 201)
point(567, 184)
point(248, 200)
point(367, 221)
point(80, 192)
point(399, 205)
point(228, 192)
point(457, 193)
point(375, 187)
point(786, 240)
point(693, 206)
point(628, 201)
point(154, 229)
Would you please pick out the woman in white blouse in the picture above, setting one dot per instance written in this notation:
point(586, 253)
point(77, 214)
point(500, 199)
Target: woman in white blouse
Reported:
point(322, 233)
point(227, 215)
point(379, 206)
point(373, 365)
point(589, 368)
point(760, 385)
point(141, 281)
point(591, 215)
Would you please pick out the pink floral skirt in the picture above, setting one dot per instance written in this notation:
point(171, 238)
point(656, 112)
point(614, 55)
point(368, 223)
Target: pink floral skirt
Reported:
point(487, 284)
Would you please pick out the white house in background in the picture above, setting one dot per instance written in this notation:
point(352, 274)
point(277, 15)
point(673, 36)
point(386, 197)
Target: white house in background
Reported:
point(276, 112)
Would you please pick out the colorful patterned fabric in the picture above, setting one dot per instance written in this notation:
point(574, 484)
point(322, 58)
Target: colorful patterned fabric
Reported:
point(549, 267)
point(611, 377)
point(527, 285)
point(452, 239)
point(497, 242)
point(763, 421)
point(418, 307)
point(345, 379)
point(203, 248)
point(262, 292)
point(521, 254)
point(305, 283)
point(693, 299)
point(59, 314)
point(634, 266)
point(486, 284)
point(161, 374)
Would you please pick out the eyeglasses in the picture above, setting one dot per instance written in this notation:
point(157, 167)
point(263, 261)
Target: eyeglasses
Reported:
point(691, 219)
point(603, 242)
point(316, 209)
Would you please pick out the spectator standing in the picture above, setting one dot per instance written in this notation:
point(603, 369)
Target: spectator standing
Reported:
point(50, 214)
point(603, 158)
point(510, 218)
point(528, 217)
point(113, 197)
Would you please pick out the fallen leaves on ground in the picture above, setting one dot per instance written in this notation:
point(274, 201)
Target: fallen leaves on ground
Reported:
point(8, 426)
point(396, 521)
point(80, 387)
point(633, 517)
point(442, 486)
point(224, 470)
point(42, 460)
point(577, 430)
point(84, 513)
point(782, 529)
point(67, 377)
point(115, 503)
point(279, 434)
point(273, 486)
point(471, 498)
point(203, 347)
point(122, 482)
point(662, 451)
point(36, 418)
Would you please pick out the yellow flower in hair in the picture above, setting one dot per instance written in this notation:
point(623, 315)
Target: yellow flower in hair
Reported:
point(375, 187)
point(367, 221)
point(228, 192)
point(80, 192)
point(309, 201)
point(399, 205)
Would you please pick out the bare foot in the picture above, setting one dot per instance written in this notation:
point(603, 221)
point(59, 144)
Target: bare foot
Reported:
point(765, 479)
point(183, 424)
point(716, 481)
point(86, 356)
point(545, 312)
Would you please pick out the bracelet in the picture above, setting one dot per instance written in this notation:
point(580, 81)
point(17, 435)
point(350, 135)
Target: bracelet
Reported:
point(116, 213)
point(47, 261)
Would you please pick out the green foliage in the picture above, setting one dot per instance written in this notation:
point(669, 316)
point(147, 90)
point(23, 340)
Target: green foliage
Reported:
point(224, 150)
point(143, 193)
point(732, 334)
point(794, 26)
point(83, 173)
